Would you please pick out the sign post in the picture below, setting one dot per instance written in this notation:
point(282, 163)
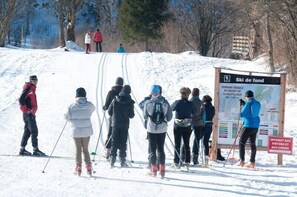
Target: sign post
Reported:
point(230, 86)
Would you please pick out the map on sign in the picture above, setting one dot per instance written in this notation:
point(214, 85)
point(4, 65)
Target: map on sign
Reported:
point(232, 87)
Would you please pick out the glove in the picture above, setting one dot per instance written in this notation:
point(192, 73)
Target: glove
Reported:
point(242, 102)
point(104, 108)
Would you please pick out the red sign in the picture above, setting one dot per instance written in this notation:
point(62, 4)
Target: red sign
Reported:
point(280, 145)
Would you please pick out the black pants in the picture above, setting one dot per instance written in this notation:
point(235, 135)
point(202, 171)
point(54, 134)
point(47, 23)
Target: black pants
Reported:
point(30, 129)
point(98, 47)
point(248, 133)
point(156, 144)
point(179, 133)
point(207, 130)
point(196, 143)
point(119, 141)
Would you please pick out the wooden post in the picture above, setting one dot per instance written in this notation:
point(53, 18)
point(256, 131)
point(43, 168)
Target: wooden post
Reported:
point(215, 119)
point(282, 113)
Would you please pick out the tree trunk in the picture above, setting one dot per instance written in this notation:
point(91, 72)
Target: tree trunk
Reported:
point(61, 25)
point(257, 39)
point(270, 45)
point(71, 25)
point(6, 17)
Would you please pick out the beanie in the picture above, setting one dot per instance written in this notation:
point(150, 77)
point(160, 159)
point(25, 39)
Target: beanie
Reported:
point(81, 92)
point(119, 81)
point(126, 89)
point(195, 92)
point(155, 89)
point(33, 78)
point(249, 94)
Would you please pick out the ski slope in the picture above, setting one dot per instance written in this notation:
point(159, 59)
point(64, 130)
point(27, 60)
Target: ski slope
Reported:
point(61, 73)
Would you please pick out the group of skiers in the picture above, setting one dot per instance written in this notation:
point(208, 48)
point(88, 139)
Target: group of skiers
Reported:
point(98, 38)
point(191, 115)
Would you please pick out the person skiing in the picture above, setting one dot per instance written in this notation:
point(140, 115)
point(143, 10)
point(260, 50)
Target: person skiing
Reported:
point(184, 110)
point(141, 106)
point(251, 121)
point(121, 110)
point(158, 113)
point(88, 42)
point(28, 105)
point(98, 40)
point(121, 49)
point(197, 124)
point(79, 115)
point(115, 90)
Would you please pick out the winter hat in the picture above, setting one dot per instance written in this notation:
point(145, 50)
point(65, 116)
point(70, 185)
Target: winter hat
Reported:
point(33, 78)
point(155, 89)
point(126, 89)
point(249, 94)
point(195, 92)
point(119, 81)
point(81, 92)
point(206, 98)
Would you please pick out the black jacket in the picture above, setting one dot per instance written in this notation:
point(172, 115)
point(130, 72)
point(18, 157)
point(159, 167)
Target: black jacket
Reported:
point(120, 110)
point(115, 91)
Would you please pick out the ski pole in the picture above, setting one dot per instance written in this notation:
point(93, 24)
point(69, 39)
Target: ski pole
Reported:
point(233, 146)
point(54, 147)
point(94, 153)
point(130, 149)
point(108, 140)
point(174, 147)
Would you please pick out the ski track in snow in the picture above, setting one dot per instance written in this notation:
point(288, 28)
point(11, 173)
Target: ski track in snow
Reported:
point(61, 73)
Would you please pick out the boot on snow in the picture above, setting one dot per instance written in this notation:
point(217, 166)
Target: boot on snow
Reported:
point(78, 169)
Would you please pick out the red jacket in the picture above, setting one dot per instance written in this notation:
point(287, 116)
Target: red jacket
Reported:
point(97, 36)
point(28, 100)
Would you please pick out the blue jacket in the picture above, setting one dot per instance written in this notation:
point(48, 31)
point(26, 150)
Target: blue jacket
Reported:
point(250, 113)
point(121, 50)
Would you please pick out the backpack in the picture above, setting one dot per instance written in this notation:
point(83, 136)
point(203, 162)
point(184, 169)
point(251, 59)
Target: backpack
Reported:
point(158, 116)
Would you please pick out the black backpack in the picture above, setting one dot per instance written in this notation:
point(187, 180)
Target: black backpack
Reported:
point(158, 114)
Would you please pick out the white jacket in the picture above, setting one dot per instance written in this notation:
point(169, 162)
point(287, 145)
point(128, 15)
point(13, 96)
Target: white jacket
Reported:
point(88, 38)
point(79, 115)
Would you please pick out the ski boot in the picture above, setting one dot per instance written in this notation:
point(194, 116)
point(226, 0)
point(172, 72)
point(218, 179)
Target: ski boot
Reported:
point(162, 170)
point(112, 161)
point(78, 169)
point(195, 159)
point(123, 163)
point(154, 170)
point(37, 152)
point(250, 165)
point(89, 169)
point(24, 152)
point(240, 163)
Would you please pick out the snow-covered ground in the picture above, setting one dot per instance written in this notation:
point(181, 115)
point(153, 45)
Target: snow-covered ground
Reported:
point(61, 73)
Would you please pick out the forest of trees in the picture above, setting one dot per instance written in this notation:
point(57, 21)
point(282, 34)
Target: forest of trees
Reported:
point(173, 26)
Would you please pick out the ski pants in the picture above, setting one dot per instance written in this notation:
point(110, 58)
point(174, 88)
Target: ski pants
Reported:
point(156, 144)
point(197, 137)
point(179, 134)
point(98, 47)
point(30, 129)
point(82, 145)
point(248, 133)
point(119, 141)
point(207, 130)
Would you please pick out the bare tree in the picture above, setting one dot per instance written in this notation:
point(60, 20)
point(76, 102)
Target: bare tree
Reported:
point(204, 21)
point(7, 11)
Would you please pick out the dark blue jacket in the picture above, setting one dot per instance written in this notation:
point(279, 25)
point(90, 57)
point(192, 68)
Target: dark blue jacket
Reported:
point(184, 109)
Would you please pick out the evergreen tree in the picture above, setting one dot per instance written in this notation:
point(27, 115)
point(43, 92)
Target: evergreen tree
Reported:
point(142, 20)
